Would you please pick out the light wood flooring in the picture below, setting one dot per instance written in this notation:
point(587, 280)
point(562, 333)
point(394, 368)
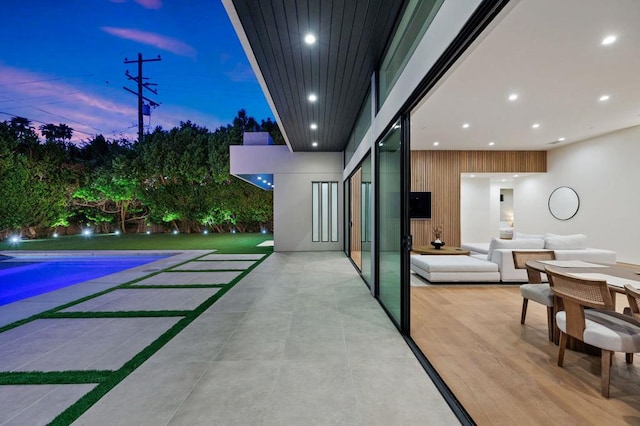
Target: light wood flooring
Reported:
point(505, 373)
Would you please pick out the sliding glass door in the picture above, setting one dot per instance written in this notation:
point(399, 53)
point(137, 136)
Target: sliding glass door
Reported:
point(391, 233)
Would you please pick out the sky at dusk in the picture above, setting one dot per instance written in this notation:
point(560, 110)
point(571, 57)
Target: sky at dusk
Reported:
point(62, 62)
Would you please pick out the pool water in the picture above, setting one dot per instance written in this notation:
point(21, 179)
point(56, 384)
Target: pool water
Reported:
point(25, 277)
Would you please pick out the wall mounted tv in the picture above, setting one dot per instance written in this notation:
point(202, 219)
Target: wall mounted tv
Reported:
point(420, 205)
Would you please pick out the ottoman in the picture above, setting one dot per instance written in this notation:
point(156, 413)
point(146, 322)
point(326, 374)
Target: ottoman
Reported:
point(454, 269)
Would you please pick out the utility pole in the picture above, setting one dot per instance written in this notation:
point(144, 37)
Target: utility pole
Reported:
point(141, 85)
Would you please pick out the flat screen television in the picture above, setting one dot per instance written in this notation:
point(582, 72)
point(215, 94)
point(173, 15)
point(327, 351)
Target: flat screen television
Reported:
point(420, 205)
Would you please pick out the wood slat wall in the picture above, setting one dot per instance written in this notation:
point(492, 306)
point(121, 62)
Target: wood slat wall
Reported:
point(439, 173)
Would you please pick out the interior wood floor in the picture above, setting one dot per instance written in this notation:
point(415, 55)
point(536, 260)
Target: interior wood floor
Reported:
point(505, 373)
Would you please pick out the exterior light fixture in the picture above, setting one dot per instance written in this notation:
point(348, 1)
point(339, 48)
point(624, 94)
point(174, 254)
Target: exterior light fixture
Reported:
point(86, 232)
point(313, 126)
point(55, 235)
point(309, 39)
point(312, 97)
point(148, 232)
point(205, 232)
point(314, 144)
point(175, 232)
point(117, 232)
point(15, 239)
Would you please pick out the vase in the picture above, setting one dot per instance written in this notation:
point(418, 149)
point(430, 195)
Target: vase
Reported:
point(437, 243)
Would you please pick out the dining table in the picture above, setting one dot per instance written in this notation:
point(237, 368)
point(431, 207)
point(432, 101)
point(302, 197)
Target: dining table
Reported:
point(616, 275)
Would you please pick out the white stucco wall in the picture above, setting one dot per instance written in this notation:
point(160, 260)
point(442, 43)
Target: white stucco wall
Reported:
point(604, 172)
point(293, 173)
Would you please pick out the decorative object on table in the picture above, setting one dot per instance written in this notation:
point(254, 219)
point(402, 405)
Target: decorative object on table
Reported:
point(437, 233)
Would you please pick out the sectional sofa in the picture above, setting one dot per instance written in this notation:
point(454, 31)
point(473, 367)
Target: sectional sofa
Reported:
point(493, 261)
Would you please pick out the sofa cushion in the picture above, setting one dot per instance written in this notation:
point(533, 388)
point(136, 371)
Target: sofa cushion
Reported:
point(522, 236)
point(529, 243)
point(565, 242)
point(452, 263)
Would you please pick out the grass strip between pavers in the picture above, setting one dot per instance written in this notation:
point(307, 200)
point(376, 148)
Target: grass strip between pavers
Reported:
point(117, 314)
point(75, 377)
point(83, 404)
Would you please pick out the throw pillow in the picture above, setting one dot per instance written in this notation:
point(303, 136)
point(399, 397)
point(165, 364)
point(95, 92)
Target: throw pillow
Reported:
point(528, 244)
point(565, 242)
point(522, 236)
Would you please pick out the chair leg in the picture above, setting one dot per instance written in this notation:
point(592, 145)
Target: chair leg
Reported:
point(606, 371)
point(563, 345)
point(629, 358)
point(550, 322)
point(524, 310)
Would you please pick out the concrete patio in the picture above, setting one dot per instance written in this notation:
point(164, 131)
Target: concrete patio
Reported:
point(299, 340)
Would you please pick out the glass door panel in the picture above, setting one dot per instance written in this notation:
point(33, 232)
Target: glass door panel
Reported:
point(389, 155)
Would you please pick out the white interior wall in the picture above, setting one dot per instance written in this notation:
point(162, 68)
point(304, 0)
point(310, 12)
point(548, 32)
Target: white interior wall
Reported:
point(506, 205)
point(604, 172)
point(475, 210)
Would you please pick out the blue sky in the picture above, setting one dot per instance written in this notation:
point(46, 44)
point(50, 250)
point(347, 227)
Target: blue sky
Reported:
point(62, 62)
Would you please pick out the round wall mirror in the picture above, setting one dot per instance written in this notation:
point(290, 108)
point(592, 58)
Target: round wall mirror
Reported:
point(564, 203)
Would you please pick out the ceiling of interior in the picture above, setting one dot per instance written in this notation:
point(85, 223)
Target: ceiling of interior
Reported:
point(351, 37)
point(549, 53)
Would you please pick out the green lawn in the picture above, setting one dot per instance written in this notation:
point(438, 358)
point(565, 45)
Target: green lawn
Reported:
point(223, 243)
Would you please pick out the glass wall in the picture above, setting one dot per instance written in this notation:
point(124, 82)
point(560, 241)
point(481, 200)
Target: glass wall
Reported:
point(367, 219)
point(359, 129)
point(414, 23)
point(389, 183)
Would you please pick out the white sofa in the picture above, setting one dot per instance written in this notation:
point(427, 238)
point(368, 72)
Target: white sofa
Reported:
point(566, 247)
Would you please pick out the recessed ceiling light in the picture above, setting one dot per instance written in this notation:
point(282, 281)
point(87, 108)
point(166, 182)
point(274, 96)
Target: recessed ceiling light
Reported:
point(504, 180)
point(472, 176)
point(513, 96)
point(610, 39)
point(465, 126)
point(313, 126)
point(309, 38)
point(312, 97)
point(436, 143)
point(515, 176)
point(259, 177)
point(492, 143)
point(561, 139)
point(604, 98)
point(535, 125)
point(314, 144)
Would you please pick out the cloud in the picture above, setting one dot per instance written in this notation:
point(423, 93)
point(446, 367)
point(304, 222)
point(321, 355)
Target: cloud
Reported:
point(147, 4)
point(156, 40)
point(241, 73)
point(150, 4)
point(88, 110)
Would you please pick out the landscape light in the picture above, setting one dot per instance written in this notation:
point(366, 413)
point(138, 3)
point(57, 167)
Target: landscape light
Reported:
point(205, 232)
point(264, 231)
point(148, 232)
point(117, 232)
point(15, 239)
point(55, 235)
point(233, 231)
point(86, 232)
point(175, 232)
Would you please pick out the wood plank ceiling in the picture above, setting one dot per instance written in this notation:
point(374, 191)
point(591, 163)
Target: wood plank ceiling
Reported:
point(351, 38)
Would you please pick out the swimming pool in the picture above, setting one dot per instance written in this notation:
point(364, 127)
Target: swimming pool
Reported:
point(27, 276)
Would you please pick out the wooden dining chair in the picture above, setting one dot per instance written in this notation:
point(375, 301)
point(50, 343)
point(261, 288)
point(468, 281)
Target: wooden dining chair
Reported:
point(600, 327)
point(633, 296)
point(534, 289)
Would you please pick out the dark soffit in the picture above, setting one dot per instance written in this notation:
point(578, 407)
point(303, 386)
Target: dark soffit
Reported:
point(351, 39)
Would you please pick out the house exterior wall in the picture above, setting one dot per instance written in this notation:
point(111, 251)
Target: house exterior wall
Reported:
point(293, 173)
